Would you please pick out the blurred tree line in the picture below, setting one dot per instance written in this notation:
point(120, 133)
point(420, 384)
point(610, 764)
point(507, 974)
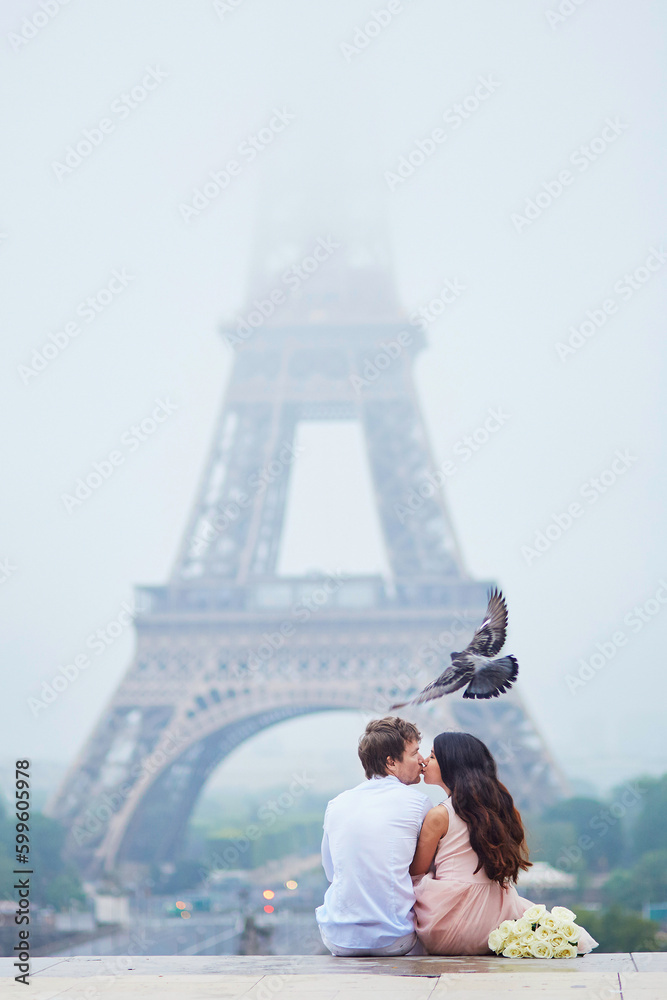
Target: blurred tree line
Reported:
point(53, 883)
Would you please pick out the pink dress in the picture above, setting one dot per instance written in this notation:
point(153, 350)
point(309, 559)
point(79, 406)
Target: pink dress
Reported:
point(455, 911)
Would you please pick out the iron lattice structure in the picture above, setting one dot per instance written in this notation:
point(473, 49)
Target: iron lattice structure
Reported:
point(228, 647)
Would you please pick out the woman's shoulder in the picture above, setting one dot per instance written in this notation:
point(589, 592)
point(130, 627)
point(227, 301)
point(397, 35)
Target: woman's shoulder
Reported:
point(437, 818)
point(447, 806)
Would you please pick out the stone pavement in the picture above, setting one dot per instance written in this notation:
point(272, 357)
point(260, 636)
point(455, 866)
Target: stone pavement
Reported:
point(640, 976)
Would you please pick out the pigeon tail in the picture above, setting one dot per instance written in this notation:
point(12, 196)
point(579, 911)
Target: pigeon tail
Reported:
point(493, 679)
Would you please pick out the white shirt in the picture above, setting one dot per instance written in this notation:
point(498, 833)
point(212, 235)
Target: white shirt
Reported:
point(370, 835)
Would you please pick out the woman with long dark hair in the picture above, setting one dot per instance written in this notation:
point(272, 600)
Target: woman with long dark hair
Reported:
point(476, 841)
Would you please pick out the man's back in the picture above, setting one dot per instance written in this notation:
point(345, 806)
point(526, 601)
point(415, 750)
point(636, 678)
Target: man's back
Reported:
point(370, 833)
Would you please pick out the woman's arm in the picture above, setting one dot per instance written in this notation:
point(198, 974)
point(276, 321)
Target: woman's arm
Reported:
point(433, 829)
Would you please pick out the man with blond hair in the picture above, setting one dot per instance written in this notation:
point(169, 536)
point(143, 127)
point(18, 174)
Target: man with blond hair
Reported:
point(370, 835)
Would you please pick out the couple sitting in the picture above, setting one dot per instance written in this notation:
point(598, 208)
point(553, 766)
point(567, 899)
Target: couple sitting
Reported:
point(407, 878)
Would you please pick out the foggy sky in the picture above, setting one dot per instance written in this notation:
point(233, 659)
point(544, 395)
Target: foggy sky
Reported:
point(595, 79)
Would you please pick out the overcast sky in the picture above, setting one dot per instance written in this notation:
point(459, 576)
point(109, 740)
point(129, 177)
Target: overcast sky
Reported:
point(569, 116)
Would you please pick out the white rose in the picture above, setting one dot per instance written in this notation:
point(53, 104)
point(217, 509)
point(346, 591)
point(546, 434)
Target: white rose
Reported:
point(533, 913)
point(523, 925)
point(551, 922)
point(497, 940)
point(541, 949)
point(566, 951)
point(525, 939)
point(558, 941)
point(570, 931)
point(562, 913)
point(512, 950)
point(508, 926)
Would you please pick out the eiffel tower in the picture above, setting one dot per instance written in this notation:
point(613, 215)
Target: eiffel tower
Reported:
point(228, 646)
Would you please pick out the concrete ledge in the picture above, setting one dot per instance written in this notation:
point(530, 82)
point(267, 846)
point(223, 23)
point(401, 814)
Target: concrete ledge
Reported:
point(641, 976)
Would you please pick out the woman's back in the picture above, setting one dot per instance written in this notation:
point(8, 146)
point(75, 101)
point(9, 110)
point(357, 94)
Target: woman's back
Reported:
point(456, 910)
point(455, 860)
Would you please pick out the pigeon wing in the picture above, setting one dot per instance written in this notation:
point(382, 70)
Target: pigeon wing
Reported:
point(451, 679)
point(489, 638)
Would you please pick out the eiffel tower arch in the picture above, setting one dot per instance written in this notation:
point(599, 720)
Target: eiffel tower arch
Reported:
point(228, 646)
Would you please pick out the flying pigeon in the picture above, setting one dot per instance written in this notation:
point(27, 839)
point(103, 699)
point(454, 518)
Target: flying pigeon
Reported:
point(475, 666)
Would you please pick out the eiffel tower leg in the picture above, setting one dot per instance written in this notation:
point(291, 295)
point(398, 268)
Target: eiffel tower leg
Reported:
point(217, 535)
point(260, 556)
point(419, 541)
point(105, 774)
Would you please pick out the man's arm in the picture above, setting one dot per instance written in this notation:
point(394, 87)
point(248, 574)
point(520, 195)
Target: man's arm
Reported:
point(327, 862)
point(435, 826)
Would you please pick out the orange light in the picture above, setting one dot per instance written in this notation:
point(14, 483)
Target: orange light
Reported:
point(268, 894)
point(180, 904)
point(268, 909)
point(291, 884)
point(185, 914)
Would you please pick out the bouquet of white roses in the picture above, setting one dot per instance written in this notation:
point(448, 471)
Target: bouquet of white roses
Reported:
point(539, 933)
